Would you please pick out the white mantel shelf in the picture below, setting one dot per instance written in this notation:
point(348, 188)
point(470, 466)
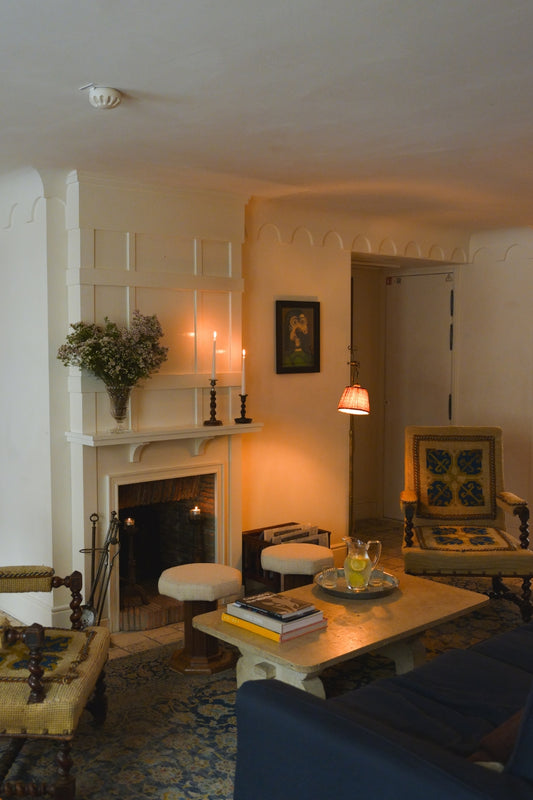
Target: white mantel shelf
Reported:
point(197, 437)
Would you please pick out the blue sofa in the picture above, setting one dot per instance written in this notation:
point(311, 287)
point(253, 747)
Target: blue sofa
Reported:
point(440, 732)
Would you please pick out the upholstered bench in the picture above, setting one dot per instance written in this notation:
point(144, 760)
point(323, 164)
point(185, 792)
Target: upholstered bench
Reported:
point(200, 586)
point(296, 563)
point(48, 676)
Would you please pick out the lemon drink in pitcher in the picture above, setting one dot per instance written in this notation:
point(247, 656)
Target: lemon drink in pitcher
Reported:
point(358, 564)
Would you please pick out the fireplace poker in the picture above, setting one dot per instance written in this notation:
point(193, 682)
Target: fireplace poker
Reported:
point(92, 611)
point(94, 519)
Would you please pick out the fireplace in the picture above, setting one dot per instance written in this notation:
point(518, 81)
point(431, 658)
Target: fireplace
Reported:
point(168, 517)
point(165, 523)
point(110, 469)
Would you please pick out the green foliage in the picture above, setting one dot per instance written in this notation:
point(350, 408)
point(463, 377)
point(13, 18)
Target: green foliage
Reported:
point(118, 355)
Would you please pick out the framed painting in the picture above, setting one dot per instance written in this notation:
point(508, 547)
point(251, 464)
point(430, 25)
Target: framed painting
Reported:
point(297, 336)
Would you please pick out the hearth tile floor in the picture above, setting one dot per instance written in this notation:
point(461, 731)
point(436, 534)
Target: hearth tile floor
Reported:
point(129, 642)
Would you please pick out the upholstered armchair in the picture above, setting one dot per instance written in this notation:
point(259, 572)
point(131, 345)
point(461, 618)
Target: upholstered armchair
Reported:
point(47, 677)
point(454, 505)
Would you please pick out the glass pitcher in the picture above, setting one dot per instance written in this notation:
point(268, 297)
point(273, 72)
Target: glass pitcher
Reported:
point(358, 564)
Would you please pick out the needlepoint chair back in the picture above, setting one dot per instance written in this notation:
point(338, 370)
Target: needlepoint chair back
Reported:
point(454, 505)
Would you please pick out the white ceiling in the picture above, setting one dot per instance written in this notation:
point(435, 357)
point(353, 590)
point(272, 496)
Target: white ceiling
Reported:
point(417, 108)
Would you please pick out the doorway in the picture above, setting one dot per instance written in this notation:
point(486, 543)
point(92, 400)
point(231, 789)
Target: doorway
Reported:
point(402, 327)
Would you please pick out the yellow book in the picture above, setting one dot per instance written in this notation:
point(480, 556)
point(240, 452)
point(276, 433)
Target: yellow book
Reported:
point(251, 626)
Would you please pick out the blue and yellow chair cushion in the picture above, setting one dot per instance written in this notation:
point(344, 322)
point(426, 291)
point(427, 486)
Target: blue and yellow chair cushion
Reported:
point(454, 480)
point(72, 662)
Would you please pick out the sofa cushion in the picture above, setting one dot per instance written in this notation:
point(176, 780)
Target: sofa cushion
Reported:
point(453, 700)
point(513, 647)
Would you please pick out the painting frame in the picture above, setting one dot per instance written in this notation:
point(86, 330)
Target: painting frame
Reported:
point(297, 336)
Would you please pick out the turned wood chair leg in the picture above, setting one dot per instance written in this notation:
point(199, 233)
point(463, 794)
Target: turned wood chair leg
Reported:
point(526, 608)
point(97, 704)
point(65, 787)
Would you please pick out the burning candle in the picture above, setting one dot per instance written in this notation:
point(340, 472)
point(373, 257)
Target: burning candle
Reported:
point(129, 522)
point(194, 513)
point(243, 381)
point(214, 362)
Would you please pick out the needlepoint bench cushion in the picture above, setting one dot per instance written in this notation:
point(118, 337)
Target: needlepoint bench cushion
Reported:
point(203, 581)
point(72, 661)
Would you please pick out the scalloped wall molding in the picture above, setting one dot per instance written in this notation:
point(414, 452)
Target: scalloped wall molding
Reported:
point(412, 250)
point(269, 232)
point(514, 253)
point(26, 212)
point(387, 247)
point(302, 235)
point(361, 244)
point(333, 240)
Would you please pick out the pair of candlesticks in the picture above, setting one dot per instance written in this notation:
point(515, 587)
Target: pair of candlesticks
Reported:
point(243, 419)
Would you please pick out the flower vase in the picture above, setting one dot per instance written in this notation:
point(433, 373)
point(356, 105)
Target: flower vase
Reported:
point(119, 405)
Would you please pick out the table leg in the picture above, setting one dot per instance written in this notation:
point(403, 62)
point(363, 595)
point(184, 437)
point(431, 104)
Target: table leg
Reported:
point(253, 667)
point(406, 655)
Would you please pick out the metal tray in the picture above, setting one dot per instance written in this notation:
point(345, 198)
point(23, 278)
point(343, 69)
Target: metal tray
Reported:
point(390, 584)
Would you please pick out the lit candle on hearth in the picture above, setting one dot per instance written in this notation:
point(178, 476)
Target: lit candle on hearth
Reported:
point(129, 522)
point(243, 380)
point(194, 513)
point(214, 362)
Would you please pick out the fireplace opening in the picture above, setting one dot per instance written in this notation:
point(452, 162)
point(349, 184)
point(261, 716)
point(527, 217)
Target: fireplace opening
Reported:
point(164, 523)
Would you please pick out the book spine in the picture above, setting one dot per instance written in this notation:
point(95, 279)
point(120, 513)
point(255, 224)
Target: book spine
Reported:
point(251, 626)
point(264, 620)
point(288, 635)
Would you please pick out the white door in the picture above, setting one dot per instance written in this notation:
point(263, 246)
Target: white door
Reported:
point(418, 367)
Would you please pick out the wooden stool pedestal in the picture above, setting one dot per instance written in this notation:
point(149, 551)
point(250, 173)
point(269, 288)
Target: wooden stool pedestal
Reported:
point(201, 654)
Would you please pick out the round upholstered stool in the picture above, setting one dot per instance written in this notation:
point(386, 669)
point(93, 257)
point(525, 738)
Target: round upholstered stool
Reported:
point(296, 563)
point(199, 587)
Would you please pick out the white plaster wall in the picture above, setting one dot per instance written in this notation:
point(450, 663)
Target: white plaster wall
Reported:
point(298, 469)
point(158, 250)
point(494, 363)
point(26, 519)
point(82, 247)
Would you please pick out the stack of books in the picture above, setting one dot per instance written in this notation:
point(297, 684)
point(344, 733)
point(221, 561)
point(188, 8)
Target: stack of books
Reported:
point(279, 617)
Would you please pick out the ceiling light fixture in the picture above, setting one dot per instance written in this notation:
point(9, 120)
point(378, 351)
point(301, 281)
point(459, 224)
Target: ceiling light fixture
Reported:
point(103, 96)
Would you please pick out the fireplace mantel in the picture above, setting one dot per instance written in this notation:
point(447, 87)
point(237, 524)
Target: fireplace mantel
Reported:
point(197, 437)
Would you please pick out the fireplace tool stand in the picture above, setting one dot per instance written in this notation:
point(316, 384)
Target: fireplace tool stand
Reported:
point(100, 577)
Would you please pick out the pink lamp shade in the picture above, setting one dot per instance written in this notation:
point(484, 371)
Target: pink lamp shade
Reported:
point(354, 400)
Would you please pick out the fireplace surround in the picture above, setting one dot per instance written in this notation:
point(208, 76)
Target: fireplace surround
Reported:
point(174, 482)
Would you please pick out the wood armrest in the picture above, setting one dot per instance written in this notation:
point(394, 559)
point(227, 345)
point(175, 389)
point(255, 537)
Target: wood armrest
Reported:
point(509, 501)
point(408, 496)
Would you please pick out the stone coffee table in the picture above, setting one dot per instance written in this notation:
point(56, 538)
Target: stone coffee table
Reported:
point(389, 625)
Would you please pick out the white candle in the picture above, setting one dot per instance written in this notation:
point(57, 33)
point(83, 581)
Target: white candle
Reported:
point(214, 362)
point(243, 381)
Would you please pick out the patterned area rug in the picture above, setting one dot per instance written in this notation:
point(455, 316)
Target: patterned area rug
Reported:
point(172, 737)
